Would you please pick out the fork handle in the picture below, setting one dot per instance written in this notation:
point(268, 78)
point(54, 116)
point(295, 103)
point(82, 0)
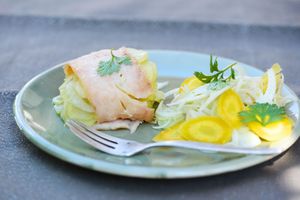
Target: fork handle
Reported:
point(214, 147)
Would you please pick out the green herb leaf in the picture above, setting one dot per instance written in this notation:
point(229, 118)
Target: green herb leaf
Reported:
point(105, 68)
point(213, 65)
point(264, 113)
point(113, 65)
point(219, 75)
point(123, 60)
point(232, 73)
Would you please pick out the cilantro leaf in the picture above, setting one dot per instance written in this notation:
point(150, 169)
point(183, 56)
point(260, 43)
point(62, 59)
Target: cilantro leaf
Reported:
point(264, 113)
point(123, 60)
point(219, 75)
point(113, 65)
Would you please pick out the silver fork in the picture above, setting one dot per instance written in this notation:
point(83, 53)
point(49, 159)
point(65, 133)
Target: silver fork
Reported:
point(122, 147)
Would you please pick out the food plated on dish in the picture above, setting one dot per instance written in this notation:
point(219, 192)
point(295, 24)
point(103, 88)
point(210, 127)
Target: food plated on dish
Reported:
point(109, 86)
point(40, 123)
point(115, 89)
point(234, 109)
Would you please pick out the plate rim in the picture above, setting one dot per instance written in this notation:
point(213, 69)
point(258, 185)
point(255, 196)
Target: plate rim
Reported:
point(131, 170)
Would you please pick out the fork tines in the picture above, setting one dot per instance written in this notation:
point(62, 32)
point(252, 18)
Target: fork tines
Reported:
point(97, 139)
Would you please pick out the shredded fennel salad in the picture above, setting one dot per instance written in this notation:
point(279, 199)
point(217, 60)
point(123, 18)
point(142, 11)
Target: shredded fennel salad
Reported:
point(226, 107)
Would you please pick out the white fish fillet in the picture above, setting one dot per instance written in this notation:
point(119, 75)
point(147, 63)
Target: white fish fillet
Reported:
point(117, 96)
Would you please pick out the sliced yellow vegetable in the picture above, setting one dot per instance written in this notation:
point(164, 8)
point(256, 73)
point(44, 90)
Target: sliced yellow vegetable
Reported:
point(151, 72)
point(229, 106)
point(206, 129)
point(264, 81)
point(191, 83)
point(147, 66)
point(273, 131)
point(140, 55)
point(171, 133)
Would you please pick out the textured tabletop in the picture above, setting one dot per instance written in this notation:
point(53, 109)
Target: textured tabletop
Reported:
point(30, 45)
point(275, 12)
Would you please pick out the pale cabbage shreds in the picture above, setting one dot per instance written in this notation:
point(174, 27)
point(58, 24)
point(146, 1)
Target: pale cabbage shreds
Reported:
point(168, 116)
point(248, 88)
point(72, 102)
point(271, 84)
point(187, 105)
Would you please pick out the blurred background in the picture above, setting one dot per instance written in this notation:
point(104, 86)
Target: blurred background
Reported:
point(266, 12)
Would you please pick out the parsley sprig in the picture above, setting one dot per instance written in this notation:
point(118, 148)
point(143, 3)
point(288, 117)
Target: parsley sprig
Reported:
point(219, 75)
point(112, 65)
point(264, 113)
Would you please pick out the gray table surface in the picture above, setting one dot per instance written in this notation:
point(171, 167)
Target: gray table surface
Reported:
point(29, 45)
point(275, 12)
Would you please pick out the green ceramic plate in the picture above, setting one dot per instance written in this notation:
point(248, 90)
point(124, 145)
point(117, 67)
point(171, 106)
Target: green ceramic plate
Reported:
point(36, 117)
